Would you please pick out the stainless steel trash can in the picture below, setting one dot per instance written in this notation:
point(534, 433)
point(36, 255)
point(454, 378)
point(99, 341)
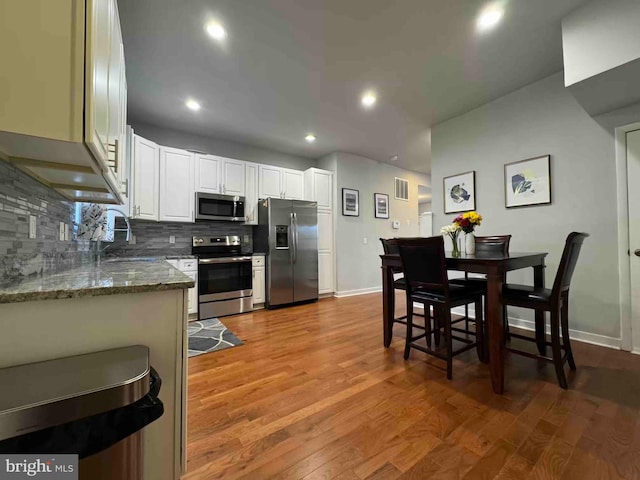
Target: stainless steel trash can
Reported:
point(94, 405)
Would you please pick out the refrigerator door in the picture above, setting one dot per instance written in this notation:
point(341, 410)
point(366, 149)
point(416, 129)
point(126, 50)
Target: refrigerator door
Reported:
point(305, 242)
point(281, 251)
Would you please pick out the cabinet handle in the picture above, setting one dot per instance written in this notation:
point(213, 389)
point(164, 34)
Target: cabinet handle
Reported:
point(114, 147)
point(126, 187)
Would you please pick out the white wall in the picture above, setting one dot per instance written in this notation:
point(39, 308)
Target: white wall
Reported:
point(599, 36)
point(224, 148)
point(542, 118)
point(358, 264)
point(424, 207)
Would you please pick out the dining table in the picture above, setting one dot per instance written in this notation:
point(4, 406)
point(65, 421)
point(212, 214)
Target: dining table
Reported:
point(495, 267)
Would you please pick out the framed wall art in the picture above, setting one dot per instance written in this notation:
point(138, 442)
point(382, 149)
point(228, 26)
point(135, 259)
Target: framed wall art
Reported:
point(459, 192)
point(350, 202)
point(381, 205)
point(527, 182)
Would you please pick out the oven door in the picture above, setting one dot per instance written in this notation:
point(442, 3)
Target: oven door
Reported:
point(224, 278)
point(219, 207)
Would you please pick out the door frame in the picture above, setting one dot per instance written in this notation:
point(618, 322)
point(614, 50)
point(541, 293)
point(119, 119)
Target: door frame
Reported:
point(624, 247)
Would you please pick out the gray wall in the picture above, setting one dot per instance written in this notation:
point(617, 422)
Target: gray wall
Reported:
point(358, 265)
point(542, 118)
point(224, 148)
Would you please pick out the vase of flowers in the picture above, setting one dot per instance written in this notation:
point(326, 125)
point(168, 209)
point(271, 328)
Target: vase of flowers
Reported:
point(468, 222)
point(452, 231)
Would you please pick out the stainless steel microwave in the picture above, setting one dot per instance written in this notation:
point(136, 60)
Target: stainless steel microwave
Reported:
point(210, 206)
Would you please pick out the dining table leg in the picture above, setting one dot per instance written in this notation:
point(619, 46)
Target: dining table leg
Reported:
point(388, 304)
point(541, 339)
point(495, 330)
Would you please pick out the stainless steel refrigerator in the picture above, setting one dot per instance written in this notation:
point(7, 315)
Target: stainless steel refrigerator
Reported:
point(288, 234)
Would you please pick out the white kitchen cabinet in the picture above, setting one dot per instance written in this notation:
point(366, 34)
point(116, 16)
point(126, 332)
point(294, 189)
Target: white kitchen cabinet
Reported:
point(293, 184)
point(251, 193)
point(189, 266)
point(258, 286)
point(176, 180)
point(221, 175)
point(146, 175)
point(318, 186)
point(325, 231)
point(325, 272)
point(269, 181)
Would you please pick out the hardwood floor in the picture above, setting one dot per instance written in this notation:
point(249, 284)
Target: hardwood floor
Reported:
point(314, 395)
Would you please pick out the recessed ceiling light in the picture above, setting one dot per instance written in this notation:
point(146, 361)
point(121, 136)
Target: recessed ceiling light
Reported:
point(368, 99)
point(490, 17)
point(216, 31)
point(192, 105)
point(310, 138)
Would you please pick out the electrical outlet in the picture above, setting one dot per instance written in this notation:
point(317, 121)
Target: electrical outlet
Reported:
point(172, 239)
point(365, 241)
point(61, 232)
point(246, 239)
point(32, 226)
point(66, 231)
point(132, 240)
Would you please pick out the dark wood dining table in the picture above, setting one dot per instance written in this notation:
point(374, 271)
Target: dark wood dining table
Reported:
point(496, 268)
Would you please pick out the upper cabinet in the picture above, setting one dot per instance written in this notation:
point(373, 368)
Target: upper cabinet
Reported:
point(221, 175)
point(74, 68)
point(251, 193)
point(280, 183)
point(176, 180)
point(146, 174)
point(318, 186)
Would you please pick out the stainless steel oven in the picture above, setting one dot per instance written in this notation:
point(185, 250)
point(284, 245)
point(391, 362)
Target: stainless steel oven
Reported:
point(224, 277)
point(210, 206)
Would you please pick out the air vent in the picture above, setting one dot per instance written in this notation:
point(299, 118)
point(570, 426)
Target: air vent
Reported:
point(402, 189)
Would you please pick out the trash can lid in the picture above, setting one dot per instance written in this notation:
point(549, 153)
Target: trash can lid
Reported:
point(44, 394)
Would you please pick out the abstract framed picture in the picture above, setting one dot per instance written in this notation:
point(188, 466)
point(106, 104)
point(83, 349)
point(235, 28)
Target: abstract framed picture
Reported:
point(381, 204)
point(350, 202)
point(459, 192)
point(528, 182)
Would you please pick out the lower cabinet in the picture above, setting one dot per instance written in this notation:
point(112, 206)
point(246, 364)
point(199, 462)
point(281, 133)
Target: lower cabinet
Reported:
point(325, 272)
point(193, 293)
point(189, 267)
point(258, 281)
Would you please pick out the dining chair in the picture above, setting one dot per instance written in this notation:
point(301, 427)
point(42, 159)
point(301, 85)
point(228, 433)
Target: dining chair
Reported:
point(427, 283)
point(556, 302)
point(498, 244)
point(390, 246)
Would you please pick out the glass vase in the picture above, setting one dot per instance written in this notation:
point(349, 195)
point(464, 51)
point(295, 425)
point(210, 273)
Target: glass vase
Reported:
point(455, 251)
point(469, 243)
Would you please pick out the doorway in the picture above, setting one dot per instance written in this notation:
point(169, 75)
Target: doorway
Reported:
point(425, 216)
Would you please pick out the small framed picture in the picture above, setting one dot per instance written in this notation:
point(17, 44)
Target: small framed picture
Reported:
point(527, 182)
point(459, 192)
point(350, 202)
point(381, 205)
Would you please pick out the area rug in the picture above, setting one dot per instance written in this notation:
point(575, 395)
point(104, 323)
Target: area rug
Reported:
point(206, 336)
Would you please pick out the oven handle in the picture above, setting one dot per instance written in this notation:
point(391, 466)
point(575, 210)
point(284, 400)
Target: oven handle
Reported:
point(224, 260)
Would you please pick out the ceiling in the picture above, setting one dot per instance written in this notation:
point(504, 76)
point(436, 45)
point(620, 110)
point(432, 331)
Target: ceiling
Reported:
point(290, 67)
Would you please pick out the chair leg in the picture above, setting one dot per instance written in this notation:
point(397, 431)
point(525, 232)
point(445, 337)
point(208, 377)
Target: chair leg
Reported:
point(541, 339)
point(564, 322)
point(407, 344)
point(447, 331)
point(555, 347)
point(480, 345)
point(437, 322)
point(505, 323)
point(427, 324)
point(466, 317)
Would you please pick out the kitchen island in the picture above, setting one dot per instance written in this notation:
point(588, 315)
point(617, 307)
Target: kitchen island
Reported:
point(105, 305)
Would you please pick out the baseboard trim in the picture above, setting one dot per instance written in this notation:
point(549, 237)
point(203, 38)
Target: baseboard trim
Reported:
point(577, 335)
point(360, 291)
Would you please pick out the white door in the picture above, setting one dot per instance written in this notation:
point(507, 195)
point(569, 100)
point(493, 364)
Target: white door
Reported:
point(323, 186)
point(293, 184)
point(325, 272)
point(176, 193)
point(232, 177)
point(426, 224)
point(146, 178)
point(325, 231)
point(208, 174)
point(251, 193)
point(633, 179)
point(269, 181)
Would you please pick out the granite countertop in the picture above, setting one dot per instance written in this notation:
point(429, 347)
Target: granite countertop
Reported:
point(105, 277)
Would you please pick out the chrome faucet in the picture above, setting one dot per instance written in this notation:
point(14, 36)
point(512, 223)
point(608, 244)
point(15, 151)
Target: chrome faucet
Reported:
point(126, 220)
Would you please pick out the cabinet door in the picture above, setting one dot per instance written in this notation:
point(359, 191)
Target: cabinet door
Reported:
point(146, 179)
point(192, 294)
point(325, 272)
point(323, 189)
point(269, 181)
point(208, 174)
point(98, 49)
point(251, 193)
point(176, 192)
point(123, 165)
point(325, 231)
point(293, 184)
point(233, 172)
point(116, 66)
point(258, 285)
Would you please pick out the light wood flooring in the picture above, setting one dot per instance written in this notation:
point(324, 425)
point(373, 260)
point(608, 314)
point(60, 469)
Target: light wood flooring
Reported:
point(313, 394)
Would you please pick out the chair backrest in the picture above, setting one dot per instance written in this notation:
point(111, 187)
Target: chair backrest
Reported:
point(423, 264)
point(389, 245)
point(498, 244)
point(568, 262)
